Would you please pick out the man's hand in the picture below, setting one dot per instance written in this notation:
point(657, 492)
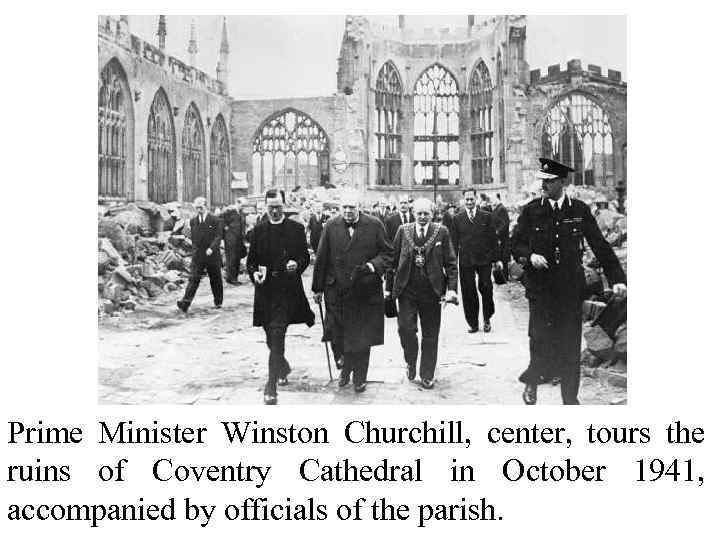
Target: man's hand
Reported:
point(317, 297)
point(259, 278)
point(208, 252)
point(538, 261)
point(498, 265)
point(451, 297)
point(620, 290)
point(291, 266)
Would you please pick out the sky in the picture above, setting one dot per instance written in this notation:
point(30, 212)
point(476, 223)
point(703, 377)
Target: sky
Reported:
point(296, 56)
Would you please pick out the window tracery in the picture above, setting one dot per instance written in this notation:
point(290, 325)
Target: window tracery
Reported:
point(436, 107)
point(161, 170)
point(219, 163)
point(114, 120)
point(577, 132)
point(481, 124)
point(193, 155)
point(290, 149)
point(388, 102)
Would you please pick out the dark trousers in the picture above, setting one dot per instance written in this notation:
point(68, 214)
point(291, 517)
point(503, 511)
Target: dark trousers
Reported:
point(505, 255)
point(471, 305)
point(234, 252)
point(212, 266)
point(357, 363)
point(555, 336)
point(277, 364)
point(409, 308)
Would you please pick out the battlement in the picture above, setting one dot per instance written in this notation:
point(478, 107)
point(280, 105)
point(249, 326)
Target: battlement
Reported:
point(116, 30)
point(406, 34)
point(574, 69)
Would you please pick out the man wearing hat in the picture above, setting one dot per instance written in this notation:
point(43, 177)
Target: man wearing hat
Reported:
point(277, 258)
point(352, 256)
point(549, 242)
point(234, 219)
point(206, 231)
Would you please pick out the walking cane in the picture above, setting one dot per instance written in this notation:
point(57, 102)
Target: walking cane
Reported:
point(327, 352)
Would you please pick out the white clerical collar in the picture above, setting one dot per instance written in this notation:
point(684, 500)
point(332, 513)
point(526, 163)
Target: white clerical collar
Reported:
point(276, 222)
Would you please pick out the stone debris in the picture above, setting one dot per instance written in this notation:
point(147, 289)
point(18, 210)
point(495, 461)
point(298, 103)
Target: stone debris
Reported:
point(144, 251)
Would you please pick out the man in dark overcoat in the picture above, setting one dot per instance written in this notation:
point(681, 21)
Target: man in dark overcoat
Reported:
point(476, 243)
point(403, 216)
point(501, 218)
point(206, 232)
point(352, 256)
point(425, 270)
point(235, 250)
point(549, 242)
point(277, 258)
point(315, 227)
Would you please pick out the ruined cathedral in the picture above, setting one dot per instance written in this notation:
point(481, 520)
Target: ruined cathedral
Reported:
point(415, 112)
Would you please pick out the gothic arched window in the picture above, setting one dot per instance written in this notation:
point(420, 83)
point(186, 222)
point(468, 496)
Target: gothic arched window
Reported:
point(436, 133)
point(290, 149)
point(481, 124)
point(388, 100)
point(193, 155)
point(219, 163)
point(577, 132)
point(161, 170)
point(114, 131)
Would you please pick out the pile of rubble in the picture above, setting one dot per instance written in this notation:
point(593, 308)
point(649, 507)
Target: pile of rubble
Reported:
point(143, 251)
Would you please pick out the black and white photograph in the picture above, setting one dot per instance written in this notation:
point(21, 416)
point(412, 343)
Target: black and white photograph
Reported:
point(362, 210)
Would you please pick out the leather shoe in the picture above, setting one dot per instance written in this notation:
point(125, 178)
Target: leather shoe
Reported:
point(529, 395)
point(344, 378)
point(411, 372)
point(269, 399)
point(487, 327)
point(427, 384)
point(473, 330)
point(283, 377)
point(218, 306)
point(360, 387)
point(182, 306)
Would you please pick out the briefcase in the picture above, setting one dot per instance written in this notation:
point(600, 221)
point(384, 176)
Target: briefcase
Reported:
point(391, 307)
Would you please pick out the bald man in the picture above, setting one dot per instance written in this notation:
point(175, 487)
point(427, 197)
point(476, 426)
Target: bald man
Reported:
point(425, 270)
point(206, 232)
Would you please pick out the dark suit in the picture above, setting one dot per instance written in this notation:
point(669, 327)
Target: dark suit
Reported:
point(235, 250)
point(501, 219)
point(419, 289)
point(353, 295)
point(204, 236)
point(280, 300)
point(315, 226)
point(556, 294)
point(393, 222)
point(477, 246)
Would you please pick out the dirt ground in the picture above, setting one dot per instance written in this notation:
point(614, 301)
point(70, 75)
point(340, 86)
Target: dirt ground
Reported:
point(158, 355)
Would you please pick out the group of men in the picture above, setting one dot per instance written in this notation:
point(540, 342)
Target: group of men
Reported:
point(415, 256)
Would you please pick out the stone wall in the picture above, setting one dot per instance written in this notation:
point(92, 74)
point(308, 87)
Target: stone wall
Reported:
point(148, 69)
point(544, 91)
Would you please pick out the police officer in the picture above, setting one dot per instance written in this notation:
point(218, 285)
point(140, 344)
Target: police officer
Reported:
point(549, 241)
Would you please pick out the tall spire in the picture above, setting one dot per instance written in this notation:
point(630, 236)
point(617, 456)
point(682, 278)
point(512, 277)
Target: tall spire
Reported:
point(222, 65)
point(192, 45)
point(224, 47)
point(161, 32)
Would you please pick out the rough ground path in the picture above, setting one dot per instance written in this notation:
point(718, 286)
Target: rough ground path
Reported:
point(158, 355)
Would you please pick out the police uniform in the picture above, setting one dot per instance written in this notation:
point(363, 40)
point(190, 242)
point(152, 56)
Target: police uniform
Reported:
point(557, 230)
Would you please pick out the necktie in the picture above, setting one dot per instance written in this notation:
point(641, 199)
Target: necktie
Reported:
point(404, 216)
point(421, 237)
